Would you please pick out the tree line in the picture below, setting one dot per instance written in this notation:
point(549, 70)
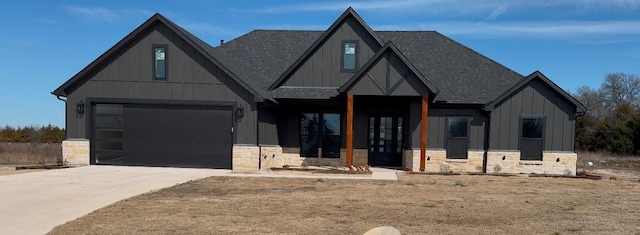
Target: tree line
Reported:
point(32, 134)
point(612, 120)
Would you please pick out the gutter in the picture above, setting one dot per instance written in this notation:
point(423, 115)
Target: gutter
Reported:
point(58, 97)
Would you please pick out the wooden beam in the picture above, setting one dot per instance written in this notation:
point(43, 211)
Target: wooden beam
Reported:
point(423, 132)
point(349, 130)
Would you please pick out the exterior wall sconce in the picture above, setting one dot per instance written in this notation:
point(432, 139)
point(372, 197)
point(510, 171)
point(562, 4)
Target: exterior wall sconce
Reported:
point(239, 113)
point(80, 109)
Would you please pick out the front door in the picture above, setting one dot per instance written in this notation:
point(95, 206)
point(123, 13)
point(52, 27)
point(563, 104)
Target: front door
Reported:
point(385, 140)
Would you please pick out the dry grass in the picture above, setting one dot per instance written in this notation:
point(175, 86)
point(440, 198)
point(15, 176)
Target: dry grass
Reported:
point(416, 204)
point(30, 154)
point(608, 161)
point(610, 166)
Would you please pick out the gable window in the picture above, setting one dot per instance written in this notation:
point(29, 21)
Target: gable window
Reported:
point(349, 56)
point(531, 138)
point(160, 62)
point(320, 132)
point(457, 141)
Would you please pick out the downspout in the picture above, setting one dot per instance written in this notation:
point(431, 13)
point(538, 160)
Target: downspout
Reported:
point(487, 137)
point(258, 138)
point(65, 113)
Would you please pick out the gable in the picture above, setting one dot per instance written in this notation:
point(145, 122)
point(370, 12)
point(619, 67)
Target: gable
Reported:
point(538, 99)
point(130, 61)
point(129, 73)
point(320, 65)
point(545, 86)
point(389, 77)
point(389, 73)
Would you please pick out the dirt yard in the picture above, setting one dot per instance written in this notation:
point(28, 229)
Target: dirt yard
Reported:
point(416, 204)
point(610, 166)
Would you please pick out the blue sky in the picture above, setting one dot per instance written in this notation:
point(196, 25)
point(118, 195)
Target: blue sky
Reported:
point(573, 42)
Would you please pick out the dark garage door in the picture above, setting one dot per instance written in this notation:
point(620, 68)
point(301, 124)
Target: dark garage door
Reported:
point(162, 135)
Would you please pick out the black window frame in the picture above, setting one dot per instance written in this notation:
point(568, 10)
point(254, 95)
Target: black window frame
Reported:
point(154, 61)
point(320, 136)
point(467, 137)
point(543, 121)
point(342, 55)
point(522, 120)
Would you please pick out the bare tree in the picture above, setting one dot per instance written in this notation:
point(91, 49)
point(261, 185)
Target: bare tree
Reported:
point(621, 87)
point(593, 99)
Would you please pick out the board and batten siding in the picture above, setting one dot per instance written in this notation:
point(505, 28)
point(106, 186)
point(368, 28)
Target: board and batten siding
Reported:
point(437, 129)
point(190, 77)
point(389, 76)
point(534, 99)
point(268, 126)
point(323, 67)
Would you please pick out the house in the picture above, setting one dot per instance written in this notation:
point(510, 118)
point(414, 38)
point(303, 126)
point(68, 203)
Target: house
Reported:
point(349, 96)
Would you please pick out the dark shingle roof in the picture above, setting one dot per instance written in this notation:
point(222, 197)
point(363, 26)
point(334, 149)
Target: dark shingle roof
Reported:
point(461, 74)
point(263, 55)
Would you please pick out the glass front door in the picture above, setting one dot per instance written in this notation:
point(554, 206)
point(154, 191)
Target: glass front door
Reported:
point(385, 140)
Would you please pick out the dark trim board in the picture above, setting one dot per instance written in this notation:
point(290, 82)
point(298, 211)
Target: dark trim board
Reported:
point(90, 102)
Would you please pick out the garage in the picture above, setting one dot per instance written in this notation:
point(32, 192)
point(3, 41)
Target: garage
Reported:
point(162, 135)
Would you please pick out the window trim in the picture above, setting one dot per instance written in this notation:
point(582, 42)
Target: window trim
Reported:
point(166, 62)
point(356, 65)
point(543, 134)
point(520, 127)
point(446, 135)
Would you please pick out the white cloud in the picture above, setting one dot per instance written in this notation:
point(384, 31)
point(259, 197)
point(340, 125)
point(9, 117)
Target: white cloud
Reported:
point(497, 12)
point(104, 14)
point(578, 31)
point(494, 7)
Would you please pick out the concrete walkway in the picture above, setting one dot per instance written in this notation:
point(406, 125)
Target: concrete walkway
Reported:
point(36, 202)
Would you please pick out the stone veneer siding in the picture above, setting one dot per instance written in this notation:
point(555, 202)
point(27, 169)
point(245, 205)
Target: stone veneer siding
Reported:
point(553, 163)
point(436, 161)
point(75, 152)
point(245, 159)
point(276, 156)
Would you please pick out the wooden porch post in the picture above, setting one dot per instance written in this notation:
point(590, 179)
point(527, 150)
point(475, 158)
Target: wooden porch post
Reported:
point(423, 132)
point(349, 130)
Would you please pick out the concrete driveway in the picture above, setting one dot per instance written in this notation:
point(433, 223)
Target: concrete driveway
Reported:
point(34, 203)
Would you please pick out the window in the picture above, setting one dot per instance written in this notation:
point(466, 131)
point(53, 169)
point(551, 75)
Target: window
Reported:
point(457, 141)
point(160, 62)
point(331, 135)
point(309, 134)
point(349, 58)
point(531, 138)
point(457, 127)
point(320, 130)
point(532, 128)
